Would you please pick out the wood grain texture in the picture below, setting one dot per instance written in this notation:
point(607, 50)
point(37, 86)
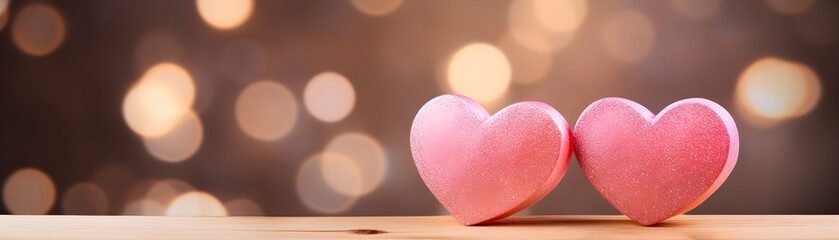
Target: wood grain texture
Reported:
point(429, 227)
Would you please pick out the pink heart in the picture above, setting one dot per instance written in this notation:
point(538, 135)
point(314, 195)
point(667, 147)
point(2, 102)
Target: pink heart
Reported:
point(652, 167)
point(484, 168)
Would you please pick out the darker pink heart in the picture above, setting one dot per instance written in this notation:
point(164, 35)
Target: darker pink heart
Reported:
point(484, 168)
point(653, 167)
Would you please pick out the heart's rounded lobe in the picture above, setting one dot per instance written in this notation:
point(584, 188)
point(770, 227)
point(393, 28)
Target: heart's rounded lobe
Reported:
point(483, 168)
point(653, 167)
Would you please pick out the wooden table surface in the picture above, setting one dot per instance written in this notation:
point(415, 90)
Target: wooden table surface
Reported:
point(428, 227)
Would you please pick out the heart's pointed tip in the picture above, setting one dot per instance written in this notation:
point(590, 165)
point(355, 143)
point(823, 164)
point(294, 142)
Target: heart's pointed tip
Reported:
point(468, 222)
point(646, 222)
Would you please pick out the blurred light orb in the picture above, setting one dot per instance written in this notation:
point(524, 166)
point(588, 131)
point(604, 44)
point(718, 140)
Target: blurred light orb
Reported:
point(242, 60)
point(350, 157)
point(225, 14)
point(561, 16)
point(38, 29)
point(266, 110)
point(628, 36)
point(28, 191)
point(155, 48)
point(479, 71)
point(4, 5)
point(527, 66)
point(790, 7)
point(776, 89)
point(180, 142)
point(696, 9)
point(376, 7)
point(4, 16)
point(84, 198)
point(151, 196)
point(196, 204)
point(145, 207)
point(341, 173)
point(329, 97)
point(153, 106)
point(544, 26)
point(162, 192)
point(243, 207)
point(315, 193)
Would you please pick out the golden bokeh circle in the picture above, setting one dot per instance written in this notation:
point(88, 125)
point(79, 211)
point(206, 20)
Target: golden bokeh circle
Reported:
point(28, 191)
point(376, 7)
point(38, 29)
point(243, 207)
point(84, 198)
point(155, 104)
point(225, 14)
point(266, 110)
point(196, 203)
point(316, 193)
point(180, 142)
point(329, 96)
point(479, 71)
point(774, 89)
point(354, 163)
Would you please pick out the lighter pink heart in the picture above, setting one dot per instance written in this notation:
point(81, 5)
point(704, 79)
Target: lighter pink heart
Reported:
point(652, 167)
point(484, 168)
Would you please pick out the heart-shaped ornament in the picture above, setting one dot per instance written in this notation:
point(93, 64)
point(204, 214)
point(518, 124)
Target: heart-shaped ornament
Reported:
point(654, 167)
point(483, 168)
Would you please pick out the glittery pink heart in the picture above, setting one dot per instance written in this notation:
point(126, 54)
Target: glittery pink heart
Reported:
point(652, 167)
point(484, 168)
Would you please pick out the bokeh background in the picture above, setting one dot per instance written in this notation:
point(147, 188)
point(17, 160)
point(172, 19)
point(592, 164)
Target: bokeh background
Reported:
point(291, 108)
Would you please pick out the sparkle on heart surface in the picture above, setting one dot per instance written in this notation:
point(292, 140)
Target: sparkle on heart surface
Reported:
point(654, 167)
point(484, 168)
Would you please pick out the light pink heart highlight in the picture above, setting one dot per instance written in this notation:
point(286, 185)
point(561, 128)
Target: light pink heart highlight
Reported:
point(483, 168)
point(654, 167)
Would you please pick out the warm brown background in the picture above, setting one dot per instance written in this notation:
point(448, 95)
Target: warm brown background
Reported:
point(62, 113)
